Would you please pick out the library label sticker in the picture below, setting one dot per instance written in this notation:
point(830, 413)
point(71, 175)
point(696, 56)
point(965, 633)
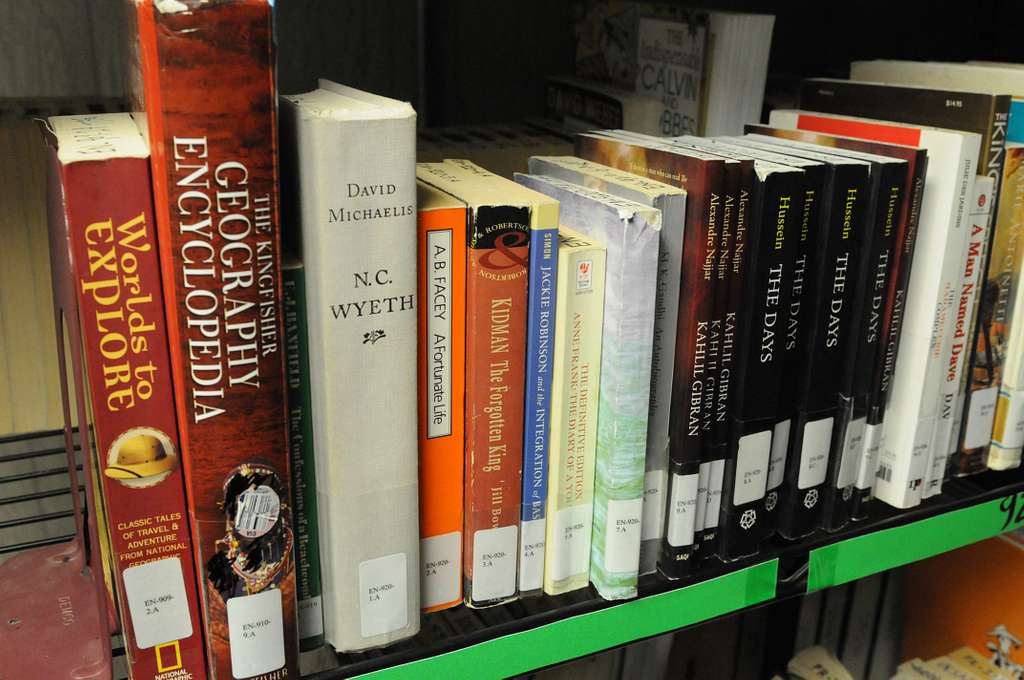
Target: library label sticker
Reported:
point(814, 453)
point(311, 617)
point(531, 555)
point(868, 463)
point(442, 568)
point(571, 541)
point(682, 514)
point(622, 535)
point(1010, 419)
point(653, 522)
point(494, 563)
point(382, 595)
point(256, 633)
point(714, 499)
point(777, 462)
point(752, 459)
point(157, 602)
point(851, 455)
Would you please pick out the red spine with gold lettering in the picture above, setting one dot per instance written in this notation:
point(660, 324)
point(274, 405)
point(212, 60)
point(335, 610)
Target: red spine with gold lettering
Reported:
point(204, 75)
point(104, 215)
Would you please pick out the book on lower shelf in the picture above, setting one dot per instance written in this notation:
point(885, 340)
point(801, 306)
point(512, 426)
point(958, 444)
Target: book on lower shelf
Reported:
point(350, 156)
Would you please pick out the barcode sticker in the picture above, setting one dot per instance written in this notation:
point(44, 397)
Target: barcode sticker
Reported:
point(494, 563)
point(531, 554)
point(256, 633)
point(752, 459)
point(383, 595)
point(703, 479)
point(570, 549)
point(814, 453)
point(654, 505)
point(157, 602)
point(868, 464)
point(442, 568)
point(257, 511)
point(622, 535)
point(682, 510)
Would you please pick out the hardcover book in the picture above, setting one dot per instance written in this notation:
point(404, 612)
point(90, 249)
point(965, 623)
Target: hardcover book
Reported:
point(442, 385)
point(702, 175)
point(630, 233)
point(941, 241)
point(671, 201)
point(579, 105)
point(503, 216)
point(215, 195)
point(575, 390)
point(300, 434)
point(892, 316)
point(349, 159)
point(101, 214)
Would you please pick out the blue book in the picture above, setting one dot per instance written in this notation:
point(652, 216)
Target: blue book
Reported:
point(540, 331)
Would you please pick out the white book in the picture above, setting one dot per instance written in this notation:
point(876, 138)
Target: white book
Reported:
point(738, 48)
point(912, 413)
point(672, 203)
point(958, 351)
point(975, 76)
point(350, 185)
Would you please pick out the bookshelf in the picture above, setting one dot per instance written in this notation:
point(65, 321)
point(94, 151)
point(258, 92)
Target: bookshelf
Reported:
point(503, 83)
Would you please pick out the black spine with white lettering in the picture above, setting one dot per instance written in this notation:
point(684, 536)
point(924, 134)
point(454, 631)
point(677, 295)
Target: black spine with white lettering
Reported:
point(820, 382)
point(759, 357)
point(878, 249)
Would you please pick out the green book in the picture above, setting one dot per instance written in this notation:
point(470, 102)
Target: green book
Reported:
point(300, 439)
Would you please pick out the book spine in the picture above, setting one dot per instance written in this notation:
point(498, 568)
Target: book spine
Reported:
point(738, 177)
point(137, 462)
point(670, 257)
point(217, 222)
point(903, 457)
point(823, 380)
point(957, 354)
point(541, 311)
point(575, 392)
point(995, 327)
point(806, 264)
point(496, 312)
point(356, 209)
point(770, 250)
point(872, 283)
point(892, 324)
point(300, 435)
point(442, 370)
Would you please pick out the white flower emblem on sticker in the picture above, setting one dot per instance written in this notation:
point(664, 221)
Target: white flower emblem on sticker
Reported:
point(771, 500)
point(847, 493)
point(748, 518)
point(811, 499)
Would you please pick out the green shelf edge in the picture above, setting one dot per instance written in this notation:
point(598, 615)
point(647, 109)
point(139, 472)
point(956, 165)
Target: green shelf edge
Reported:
point(593, 632)
point(878, 551)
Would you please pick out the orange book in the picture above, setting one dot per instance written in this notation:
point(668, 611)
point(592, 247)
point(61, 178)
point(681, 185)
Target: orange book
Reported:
point(442, 388)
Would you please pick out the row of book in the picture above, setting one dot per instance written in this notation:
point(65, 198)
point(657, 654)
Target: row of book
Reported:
point(655, 353)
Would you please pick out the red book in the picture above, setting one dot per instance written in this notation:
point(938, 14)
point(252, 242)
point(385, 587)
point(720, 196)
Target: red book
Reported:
point(205, 78)
point(102, 219)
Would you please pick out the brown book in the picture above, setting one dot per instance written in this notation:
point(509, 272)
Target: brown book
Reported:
point(502, 216)
point(205, 79)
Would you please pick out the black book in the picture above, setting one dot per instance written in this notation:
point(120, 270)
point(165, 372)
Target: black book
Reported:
point(758, 301)
point(916, 161)
point(824, 381)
